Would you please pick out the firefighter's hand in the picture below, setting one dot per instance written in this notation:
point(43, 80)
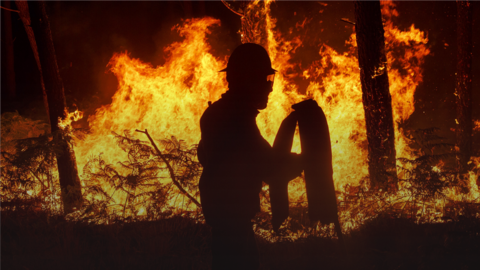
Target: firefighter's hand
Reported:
point(294, 167)
point(288, 167)
point(285, 168)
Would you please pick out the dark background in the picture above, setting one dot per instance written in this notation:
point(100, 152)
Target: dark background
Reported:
point(86, 34)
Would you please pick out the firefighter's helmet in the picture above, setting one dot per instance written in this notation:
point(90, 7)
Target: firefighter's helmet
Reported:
point(249, 58)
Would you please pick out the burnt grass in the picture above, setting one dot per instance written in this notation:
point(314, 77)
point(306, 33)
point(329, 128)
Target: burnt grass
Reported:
point(35, 240)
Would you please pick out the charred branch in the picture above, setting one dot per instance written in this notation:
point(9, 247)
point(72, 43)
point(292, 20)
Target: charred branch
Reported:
point(347, 21)
point(237, 10)
point(170, 169)
point(8, 8)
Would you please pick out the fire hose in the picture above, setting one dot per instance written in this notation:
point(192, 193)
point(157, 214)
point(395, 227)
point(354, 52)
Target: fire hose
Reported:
point(317, 161)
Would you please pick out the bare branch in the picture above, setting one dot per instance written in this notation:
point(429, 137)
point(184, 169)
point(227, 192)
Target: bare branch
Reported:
point(347, 21)
point(12, 10)
point(170, 169)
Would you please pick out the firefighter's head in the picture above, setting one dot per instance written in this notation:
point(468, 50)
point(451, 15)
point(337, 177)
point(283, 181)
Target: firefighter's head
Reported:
point(250, 74)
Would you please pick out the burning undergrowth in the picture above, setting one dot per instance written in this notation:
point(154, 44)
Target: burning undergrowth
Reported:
point(127, 178)
point(144, 184)
point(143, 181)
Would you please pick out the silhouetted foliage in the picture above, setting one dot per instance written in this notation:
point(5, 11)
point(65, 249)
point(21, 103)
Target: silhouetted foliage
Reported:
point(28, 171)
point(140, 187)
point(422, 176)
point(425, 182)
point(142, 180)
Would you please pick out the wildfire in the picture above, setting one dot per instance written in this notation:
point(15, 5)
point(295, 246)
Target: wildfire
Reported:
point(169, 100)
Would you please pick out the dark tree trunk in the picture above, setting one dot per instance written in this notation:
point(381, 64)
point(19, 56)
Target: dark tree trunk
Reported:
point(67, 167)
point(8, 71)
point(25, 16)
point(377, 101)
point(463, 86)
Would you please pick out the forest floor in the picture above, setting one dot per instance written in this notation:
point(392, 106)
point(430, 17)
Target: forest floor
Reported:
point(34, 240)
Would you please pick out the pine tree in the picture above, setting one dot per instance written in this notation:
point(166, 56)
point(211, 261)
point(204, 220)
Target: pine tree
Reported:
point(377, 101)
point(463, 86)
point(67, 168)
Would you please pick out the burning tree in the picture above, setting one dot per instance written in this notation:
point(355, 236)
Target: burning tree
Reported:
point(463, 87)
point(253, 16)
point(25, 17)
point(40, 38)
point(134, 181)
point(377, 101)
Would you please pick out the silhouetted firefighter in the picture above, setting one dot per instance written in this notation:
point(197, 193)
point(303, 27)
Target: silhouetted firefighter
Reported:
point(236, 159)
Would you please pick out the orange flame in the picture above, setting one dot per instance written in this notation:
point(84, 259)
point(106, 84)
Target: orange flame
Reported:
point(168, 100)
point(71, 117)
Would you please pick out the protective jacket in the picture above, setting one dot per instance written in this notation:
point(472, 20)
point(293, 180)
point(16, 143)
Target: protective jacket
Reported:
point(235, 159)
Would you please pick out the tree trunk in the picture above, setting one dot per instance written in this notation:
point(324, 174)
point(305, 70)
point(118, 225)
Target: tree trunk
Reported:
point(67, 168)
point(8, 71)
point(463, 87)
point(377, 101)
point(25, 16)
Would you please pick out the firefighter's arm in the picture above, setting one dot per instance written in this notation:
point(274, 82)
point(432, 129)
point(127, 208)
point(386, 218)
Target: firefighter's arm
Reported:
point(284, 168)
point(287, 165)
point(293, 166)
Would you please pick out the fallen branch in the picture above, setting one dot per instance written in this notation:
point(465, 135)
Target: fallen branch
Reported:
point(170, 169)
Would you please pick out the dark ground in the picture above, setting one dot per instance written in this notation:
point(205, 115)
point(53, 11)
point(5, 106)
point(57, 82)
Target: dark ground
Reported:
point(32, 240)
